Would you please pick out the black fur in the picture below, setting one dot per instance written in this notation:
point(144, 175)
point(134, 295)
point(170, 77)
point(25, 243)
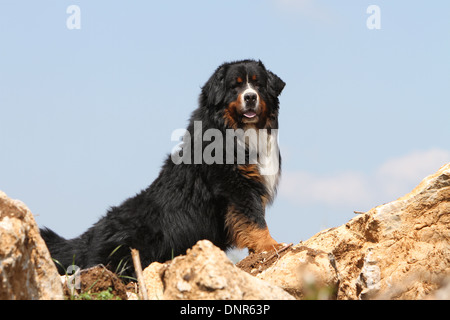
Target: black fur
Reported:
point(187, 202)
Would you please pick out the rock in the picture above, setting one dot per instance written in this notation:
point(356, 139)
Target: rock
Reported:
point(305, 273)
point(26, 268)
point(399, 250)
point(443, 293)
point(205, 272)
point(153, 282)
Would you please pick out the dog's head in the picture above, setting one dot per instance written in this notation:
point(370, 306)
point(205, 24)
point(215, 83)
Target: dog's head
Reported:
point(243, 94)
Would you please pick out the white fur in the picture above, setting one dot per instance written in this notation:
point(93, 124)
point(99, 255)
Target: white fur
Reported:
point(269, 163)
point(251, 90)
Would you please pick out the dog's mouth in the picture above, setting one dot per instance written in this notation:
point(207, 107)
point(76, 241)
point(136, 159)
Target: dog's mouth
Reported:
point(249, 117)
point(250, 114)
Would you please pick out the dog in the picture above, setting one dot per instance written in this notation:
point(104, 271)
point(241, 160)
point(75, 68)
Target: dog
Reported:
point(192, 199)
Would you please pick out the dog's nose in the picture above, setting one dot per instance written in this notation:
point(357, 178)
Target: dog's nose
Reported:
point(250, 97)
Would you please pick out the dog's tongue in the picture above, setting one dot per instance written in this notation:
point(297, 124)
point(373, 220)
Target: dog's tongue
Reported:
point(250, 114)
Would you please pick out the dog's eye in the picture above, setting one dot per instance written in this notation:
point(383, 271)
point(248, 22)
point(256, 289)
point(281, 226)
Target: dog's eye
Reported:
point(254, 80)
point(237, 82)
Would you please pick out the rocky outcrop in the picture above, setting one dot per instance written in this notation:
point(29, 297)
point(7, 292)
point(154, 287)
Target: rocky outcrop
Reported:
point(205, 272)
point(399, 250)
point(26, 268)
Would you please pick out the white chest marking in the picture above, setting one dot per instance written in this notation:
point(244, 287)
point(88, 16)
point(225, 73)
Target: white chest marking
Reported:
point(269, 163)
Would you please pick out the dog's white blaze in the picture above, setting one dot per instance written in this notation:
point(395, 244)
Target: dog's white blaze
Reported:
point(250, 89)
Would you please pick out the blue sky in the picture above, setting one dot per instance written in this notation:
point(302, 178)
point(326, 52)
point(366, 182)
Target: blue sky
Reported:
point(86, 115)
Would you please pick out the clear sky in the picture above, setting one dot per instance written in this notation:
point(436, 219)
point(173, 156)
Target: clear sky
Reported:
point(86, 115)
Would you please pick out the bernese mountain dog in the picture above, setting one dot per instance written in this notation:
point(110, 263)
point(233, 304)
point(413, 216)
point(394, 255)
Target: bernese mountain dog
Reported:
point(210, 187)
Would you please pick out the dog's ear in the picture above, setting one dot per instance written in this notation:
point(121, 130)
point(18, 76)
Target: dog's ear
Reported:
point(213, 92)
point(275, 84)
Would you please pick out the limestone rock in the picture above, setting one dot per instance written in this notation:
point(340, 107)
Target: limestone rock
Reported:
point(26, 268)
point(305, 273)
point(399, 250)
point(153, 281)
point(205, 272)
